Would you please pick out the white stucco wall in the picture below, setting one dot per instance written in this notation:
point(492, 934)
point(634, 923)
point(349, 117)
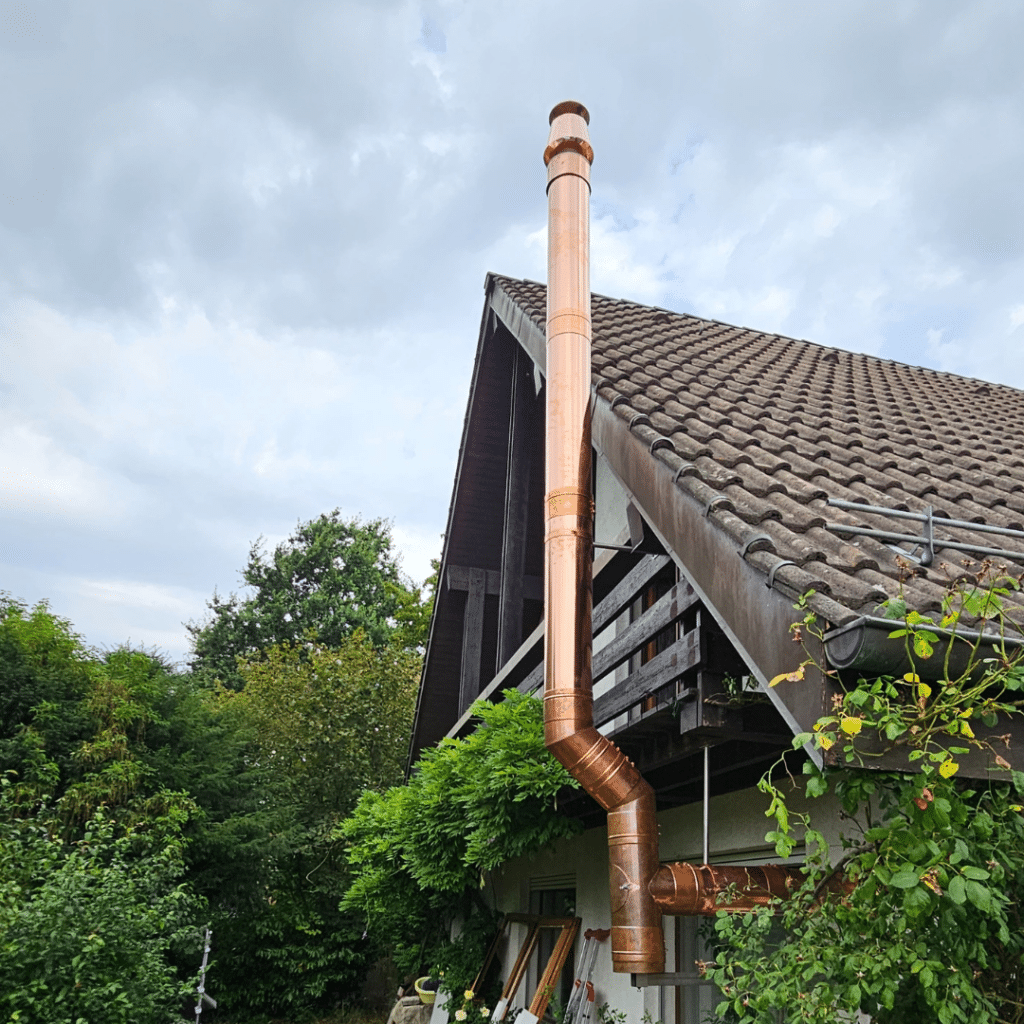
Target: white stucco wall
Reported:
point(737, 828)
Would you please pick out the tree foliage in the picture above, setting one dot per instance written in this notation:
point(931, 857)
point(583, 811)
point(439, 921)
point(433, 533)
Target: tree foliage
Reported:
point(91, 843)
point(331, 577)
point(332, 721)
point(324, 725)
point(931, 928)
point(45, 675)
point(87, 927)
point(144, 802)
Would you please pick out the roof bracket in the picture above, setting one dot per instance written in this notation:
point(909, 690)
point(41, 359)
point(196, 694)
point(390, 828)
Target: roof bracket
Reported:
point(928, 548)
point(775, 568)
point(926, 540)
point(718, 499)
point(754, 540)
point(686, 467)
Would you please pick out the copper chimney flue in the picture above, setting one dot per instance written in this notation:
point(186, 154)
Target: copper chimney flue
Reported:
point(602, 769)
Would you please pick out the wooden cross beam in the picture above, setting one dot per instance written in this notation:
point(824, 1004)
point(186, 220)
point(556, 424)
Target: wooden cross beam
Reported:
point(478, 583)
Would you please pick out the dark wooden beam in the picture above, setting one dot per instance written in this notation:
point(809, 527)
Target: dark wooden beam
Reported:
point(517, 502)
point(458, 578)
point(506, 677)
point(534, 680)
point(627, 589)
point(666, 610)
point(472, 638)
point(662, 669)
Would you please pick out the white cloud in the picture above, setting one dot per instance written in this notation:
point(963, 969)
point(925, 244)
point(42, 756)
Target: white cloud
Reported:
point(242, 249)
point(39, 479)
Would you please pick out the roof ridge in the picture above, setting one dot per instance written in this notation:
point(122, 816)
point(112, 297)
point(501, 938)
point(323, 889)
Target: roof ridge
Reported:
point(851, 355)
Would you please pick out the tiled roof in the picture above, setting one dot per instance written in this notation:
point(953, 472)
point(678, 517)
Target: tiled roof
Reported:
point(773, 426)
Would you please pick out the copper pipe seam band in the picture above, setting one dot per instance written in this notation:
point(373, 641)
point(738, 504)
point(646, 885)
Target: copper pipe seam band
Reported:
point(569, 144)
point(568, 501)
point(625, 839)
point(562, 168)
point(568, 525)
point(571, 310)
point(569, 323)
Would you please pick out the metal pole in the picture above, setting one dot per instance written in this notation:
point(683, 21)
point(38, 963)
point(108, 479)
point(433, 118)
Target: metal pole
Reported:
point(201, 990)
point(707, 803)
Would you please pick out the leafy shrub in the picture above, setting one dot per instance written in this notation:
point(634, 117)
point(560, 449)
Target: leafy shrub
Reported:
point(87, 928)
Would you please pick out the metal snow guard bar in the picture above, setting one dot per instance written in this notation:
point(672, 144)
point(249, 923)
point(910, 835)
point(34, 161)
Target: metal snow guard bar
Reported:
point(927, 540)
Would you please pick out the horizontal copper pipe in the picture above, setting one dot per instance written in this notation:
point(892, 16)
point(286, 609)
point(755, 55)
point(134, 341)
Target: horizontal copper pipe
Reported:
point(601, 768)
point(697, 889)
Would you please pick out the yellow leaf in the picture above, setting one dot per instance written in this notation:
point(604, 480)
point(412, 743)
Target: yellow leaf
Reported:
point(789, 677)
point(924, 690)
point(851, 726)
point(825, 741)
point(948, 769)
point(911, 677)
point(966, 730)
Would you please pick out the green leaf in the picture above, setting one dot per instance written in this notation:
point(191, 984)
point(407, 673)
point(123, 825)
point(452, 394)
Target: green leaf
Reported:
point(905, 878)
point(970, 871)
point(979, 896)
point(817, 785)
point(956, 890)
point(922, 646)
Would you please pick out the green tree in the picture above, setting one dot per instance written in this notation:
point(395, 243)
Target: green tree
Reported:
point(87, 928)
point(318, 725)
point(332, 576)
point(46, 673)
point(331, 722)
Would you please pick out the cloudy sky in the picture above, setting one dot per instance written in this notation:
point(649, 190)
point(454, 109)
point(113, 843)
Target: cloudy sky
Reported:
point(243, 242)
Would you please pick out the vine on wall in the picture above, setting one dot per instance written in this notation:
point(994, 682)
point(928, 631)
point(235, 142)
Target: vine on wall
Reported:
point(420, 853)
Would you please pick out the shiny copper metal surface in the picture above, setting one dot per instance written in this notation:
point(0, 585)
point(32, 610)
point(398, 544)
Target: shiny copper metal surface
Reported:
point(703, 889)
point(602, 769)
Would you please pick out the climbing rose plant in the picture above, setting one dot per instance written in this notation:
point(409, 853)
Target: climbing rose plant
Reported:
point(930, 928)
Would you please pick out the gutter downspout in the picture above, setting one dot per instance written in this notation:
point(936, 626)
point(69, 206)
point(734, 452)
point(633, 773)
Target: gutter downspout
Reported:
point(638, 945)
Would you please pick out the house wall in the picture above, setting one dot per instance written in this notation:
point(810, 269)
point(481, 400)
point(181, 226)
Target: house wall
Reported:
point(737, 829)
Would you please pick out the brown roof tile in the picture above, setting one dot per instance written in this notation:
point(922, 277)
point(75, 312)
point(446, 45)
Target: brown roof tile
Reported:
point(771, 427)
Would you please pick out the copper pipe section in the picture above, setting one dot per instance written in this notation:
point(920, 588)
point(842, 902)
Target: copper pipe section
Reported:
point(602, 769)
point(694, 889)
